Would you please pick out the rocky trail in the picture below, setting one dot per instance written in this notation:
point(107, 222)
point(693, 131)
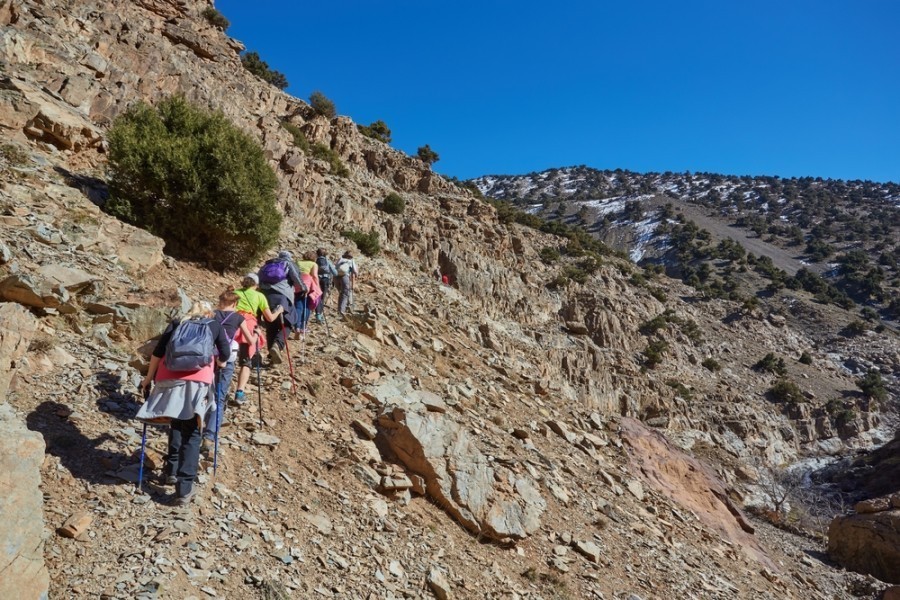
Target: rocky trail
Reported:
point(493, 439)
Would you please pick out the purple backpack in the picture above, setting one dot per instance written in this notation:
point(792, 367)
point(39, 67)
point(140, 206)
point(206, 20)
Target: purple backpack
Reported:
point(273, 272)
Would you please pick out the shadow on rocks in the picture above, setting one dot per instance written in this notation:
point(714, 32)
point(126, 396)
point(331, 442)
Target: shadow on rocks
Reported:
point(113, 400)
point(81, 455)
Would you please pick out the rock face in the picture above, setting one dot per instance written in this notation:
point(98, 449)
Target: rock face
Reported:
point(21, 453)
point(488, 500)
point(868, 543)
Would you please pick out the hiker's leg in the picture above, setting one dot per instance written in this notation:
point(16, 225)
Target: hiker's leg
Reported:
point(344, 295)
point(244, 361)
point(273, 333)
point(172, 456)
point(325, 284)
point(224, 382)
point(189, 455)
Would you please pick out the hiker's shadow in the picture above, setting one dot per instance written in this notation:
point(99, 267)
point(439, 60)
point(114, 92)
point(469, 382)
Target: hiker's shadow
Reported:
point(112, 400)
point(81, 455)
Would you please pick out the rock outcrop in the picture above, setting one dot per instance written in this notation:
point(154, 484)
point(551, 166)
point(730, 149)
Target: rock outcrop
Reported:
point(869, 541)
point(22, 571)
point(486, 498)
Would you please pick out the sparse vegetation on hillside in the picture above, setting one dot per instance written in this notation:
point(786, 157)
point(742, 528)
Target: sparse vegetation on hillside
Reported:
point(256, 65)
point(297, 134)
point(377, 130)
point(215, 18)
point(393, 204)
point(771, 364)
point(196, 180)
point(427, 155)
point(323, 105)
point(368, 243)
point(872, 386)
point(323, 152)
point(785, 390)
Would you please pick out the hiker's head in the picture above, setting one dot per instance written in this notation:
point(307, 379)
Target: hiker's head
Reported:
point(321, 252)
point(285, 255)
point(310, 256)
point(228, 298)
point(250, 280)
point(348, 254)
point(200, 309)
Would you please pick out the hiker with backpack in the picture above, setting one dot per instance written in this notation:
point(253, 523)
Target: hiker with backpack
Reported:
point(279, 281)
point(235, 325)
point(252, 305)
point(307, 300)
point(327, 273)
point(182, 372)
point(346, 280)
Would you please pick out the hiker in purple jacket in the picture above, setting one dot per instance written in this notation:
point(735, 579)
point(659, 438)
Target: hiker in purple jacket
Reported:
point(279, 279)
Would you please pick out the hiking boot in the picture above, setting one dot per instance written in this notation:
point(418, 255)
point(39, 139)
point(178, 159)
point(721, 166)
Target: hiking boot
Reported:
point(171, 480)
point(320, 319)
point(187, 498)
point(240, 398)
point(275, 355)
point(207, 447)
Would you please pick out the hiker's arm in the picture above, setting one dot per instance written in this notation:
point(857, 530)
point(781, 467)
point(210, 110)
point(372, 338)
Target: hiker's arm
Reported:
point(249, 337)
point(271, 316)
point(314, 272)
point(151, 372)
point(222, 343)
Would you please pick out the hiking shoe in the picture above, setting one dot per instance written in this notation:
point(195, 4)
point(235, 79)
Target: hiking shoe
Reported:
point(275, 355)
point(171, 480)
point(187, 498)
point(207, 447)
point(320, 319)
point(240, 398)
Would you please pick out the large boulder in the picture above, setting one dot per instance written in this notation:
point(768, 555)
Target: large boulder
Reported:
point(24, 574)
point(487, 499)
point(868, 543)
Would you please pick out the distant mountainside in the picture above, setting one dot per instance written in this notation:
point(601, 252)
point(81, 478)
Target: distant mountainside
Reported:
point(847, 232)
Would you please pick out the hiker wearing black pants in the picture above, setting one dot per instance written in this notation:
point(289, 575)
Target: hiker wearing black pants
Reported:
point(183, 398)
point(327, 274)
point(279, 291)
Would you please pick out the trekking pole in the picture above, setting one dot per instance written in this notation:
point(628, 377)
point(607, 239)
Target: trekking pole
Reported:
point(219, 407)
point(140, 481)
point(287, 350)
point(259, 381)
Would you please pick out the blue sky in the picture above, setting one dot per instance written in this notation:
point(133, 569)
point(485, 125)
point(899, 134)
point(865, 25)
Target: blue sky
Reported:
point(789, 88)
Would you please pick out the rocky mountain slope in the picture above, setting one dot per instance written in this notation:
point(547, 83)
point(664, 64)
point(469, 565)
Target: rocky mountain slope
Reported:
point(493, 439)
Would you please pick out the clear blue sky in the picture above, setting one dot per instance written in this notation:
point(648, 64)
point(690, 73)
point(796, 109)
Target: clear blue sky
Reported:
point(793, 87)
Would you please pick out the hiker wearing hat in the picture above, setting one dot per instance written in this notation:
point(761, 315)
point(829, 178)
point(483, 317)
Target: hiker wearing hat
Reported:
point(183, 395)
point(346, 280)
point(279, 280)
point(252, 305)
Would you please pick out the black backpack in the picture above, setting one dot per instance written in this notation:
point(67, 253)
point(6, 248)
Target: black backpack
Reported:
point(324, 271)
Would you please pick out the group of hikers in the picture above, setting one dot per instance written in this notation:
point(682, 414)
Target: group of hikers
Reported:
point(193, 363)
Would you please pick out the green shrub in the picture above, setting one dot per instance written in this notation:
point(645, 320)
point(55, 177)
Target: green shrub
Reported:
point(300, 140)
point(855, 328)
point(323, 152)
point(711, 364)
point(771, 364)
point(367, 243)
point(196, 180)
point(322, 105)
point(377, 131)
point(393, 204)
point(680, 389)
point(427, 155)
point(253, 63)
point(785, 390)
point(805, 358)
point(872, 385)
point(653, 353)
point(215, 18)
point(549, 255)
point(659, 294)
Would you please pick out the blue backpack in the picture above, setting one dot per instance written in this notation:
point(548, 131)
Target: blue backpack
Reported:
point(273, 271)
point(191, 346)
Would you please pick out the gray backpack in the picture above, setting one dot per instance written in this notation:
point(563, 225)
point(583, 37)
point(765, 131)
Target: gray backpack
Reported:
point(191, 346)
